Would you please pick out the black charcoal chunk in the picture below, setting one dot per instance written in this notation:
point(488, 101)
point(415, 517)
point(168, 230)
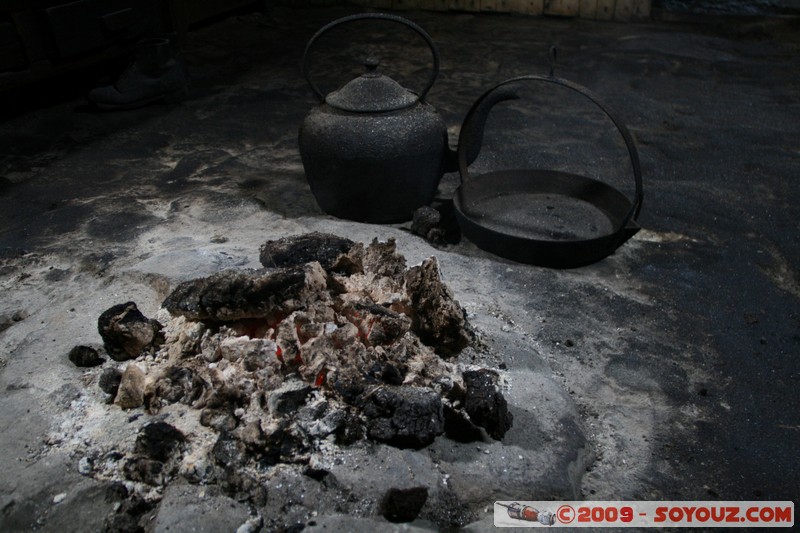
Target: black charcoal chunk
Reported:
point(127, 333)
point(406, 417)
point(236, 294)
point(85, 356)
point(485, 404)
point(158, 440)
point(403, 505)
point(298, 250)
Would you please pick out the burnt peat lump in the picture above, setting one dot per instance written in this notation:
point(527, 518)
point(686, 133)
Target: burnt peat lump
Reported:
point(403, 505)
point(85, 356)
point(439, 320)
point(236, 294)
point(127, 333)
point(298, 250)
point(405, 417)
point(485, 404)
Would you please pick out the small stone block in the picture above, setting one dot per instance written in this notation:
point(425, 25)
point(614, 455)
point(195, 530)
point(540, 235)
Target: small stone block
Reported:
point(527, 7)
point(562, 8)
point(588, 9)
point(641, 9)
point(623, 11)
point(405, 5)
point(465, 5)
point(605, 9)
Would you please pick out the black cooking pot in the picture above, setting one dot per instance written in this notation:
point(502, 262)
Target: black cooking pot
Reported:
point(538, 216)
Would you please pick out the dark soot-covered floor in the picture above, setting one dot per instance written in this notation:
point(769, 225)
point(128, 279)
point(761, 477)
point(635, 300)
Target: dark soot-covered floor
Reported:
point(669, 370)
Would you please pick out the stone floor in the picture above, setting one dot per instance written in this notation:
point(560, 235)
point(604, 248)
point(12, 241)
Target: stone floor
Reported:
point(669, 370)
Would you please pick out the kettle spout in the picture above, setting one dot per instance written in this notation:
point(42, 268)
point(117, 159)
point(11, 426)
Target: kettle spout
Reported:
point(471, 136)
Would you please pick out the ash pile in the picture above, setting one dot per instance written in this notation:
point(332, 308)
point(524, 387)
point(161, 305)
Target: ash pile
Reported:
point(332, 343)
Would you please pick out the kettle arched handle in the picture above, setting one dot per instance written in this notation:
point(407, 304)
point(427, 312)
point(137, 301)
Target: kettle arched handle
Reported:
point(466, 132)
point(372, 16)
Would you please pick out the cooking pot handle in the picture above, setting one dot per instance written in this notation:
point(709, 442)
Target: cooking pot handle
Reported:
point(466, 133)
point(372, 16)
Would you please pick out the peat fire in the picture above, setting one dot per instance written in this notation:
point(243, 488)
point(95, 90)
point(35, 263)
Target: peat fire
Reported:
point(332, 342)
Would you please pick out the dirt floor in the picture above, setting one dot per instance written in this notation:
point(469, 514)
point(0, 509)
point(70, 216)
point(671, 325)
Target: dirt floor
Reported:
point(669, 370)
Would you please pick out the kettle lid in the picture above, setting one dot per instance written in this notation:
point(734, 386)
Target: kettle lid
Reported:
point(372, 92)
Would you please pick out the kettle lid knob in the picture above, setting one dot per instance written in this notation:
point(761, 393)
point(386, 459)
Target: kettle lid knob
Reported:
point(371, 63)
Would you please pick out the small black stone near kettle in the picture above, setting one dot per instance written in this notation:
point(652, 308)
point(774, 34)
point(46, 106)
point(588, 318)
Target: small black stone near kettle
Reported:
point(374, 151)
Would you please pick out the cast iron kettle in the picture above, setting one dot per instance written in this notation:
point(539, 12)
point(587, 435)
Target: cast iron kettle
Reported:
point(374, 151)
